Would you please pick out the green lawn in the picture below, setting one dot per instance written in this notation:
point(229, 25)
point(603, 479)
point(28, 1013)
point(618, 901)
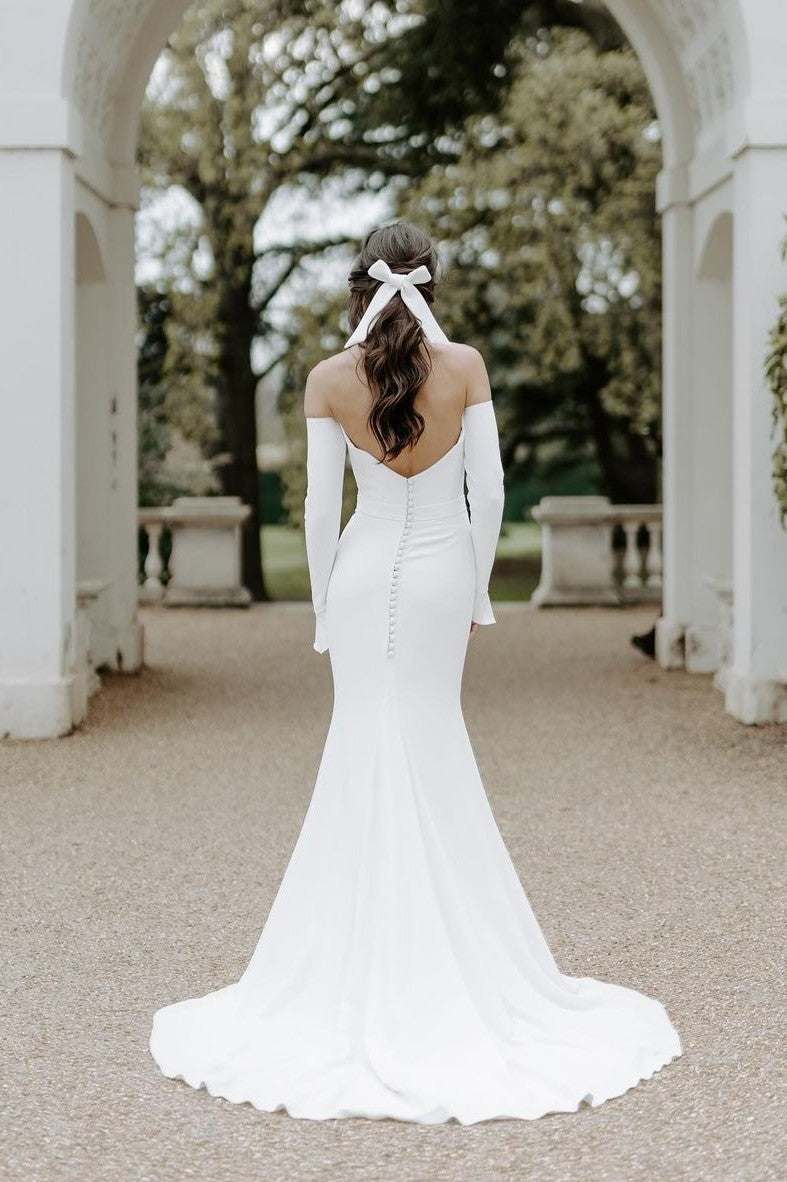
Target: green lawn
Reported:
point(515, 574)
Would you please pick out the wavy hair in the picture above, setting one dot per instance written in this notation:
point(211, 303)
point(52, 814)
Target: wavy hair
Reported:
point(395, 364)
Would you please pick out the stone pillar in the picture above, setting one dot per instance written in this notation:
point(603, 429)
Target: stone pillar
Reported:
point(576, 551)
point(128, 632)
point(41, 694)
point(756, 686)
point(205, 564)
point(708, 512)
point(93, 478)
point(677, 239)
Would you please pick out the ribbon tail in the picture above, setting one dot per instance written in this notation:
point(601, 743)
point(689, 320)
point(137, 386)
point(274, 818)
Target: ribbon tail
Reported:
point(376, 305)
point(422, 312)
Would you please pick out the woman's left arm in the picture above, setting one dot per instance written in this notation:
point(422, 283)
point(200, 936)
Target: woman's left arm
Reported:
point(326, 453)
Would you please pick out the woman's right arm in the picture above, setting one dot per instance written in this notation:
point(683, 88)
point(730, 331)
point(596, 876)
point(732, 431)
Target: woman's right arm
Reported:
point(485, 487)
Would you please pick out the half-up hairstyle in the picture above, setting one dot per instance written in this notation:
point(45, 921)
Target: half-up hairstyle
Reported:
point(394, 362)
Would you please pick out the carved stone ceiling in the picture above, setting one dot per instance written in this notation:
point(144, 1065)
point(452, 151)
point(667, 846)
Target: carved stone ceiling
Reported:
point(108, 31)
point(699, 34)
point(695, 27)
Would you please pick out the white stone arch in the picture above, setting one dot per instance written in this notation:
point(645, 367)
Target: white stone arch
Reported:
point(661, 66)
point(69, 107)
point(88, 255)
point(108, 84)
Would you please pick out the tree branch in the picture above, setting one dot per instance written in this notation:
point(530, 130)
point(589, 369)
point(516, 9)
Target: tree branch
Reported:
point(297, 253)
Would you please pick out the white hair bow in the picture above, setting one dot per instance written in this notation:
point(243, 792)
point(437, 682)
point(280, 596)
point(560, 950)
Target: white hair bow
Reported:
point(391, 282)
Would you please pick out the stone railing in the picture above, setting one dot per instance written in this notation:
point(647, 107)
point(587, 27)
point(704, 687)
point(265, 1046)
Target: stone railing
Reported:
point(597, 553)
point(201, 563)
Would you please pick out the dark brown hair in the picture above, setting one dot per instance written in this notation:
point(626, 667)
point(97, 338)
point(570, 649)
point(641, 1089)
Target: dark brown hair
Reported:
point(395, 363)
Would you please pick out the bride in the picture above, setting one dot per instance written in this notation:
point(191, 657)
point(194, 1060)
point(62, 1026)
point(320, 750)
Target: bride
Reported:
point(401, 971)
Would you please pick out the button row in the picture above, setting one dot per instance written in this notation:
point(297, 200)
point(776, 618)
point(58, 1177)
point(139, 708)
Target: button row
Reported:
point(396, 567)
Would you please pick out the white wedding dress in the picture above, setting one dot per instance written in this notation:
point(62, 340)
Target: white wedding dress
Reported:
point(401, 971)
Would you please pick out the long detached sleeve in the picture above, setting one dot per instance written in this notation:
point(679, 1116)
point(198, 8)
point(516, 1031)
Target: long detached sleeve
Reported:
point(485, 494)
point(325, 463)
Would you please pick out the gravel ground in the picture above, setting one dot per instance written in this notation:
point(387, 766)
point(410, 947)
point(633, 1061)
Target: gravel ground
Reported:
point(141, 855)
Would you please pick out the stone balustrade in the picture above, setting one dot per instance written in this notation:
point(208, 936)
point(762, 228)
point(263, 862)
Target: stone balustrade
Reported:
point(203, 566)
point(594, 552)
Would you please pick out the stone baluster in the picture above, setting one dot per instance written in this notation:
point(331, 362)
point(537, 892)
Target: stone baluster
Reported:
point(152, 589)
point(613, 553)
point(153, 564)
point(632, 561)
point(654, 562)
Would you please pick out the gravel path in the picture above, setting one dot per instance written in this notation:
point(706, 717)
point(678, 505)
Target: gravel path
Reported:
point(141, 855)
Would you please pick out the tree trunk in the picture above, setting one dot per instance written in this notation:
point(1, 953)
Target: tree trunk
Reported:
point(237, 422)
point(628, 474)
point(642, 470)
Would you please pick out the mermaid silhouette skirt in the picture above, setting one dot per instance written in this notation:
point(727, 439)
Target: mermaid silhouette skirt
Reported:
point(401, 971)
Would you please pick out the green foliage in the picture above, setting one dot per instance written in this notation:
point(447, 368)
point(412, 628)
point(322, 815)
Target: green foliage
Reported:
point(255, 103)
point(252, 106)
point(153, 427)
point(166, 404)
point(548, 228)
point(257, 106)
point(776, 373)
point(247, 103)
point(258, 103)
point(457, 60)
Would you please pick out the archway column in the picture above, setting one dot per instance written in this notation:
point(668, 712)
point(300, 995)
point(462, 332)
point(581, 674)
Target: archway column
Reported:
point(757, 682)
point(128, 632)
point(677, 243)
point(92, 431)
point(42, 694)
point(710, 407)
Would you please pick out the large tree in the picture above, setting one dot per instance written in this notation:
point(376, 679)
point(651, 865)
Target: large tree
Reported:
point(251, 104)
